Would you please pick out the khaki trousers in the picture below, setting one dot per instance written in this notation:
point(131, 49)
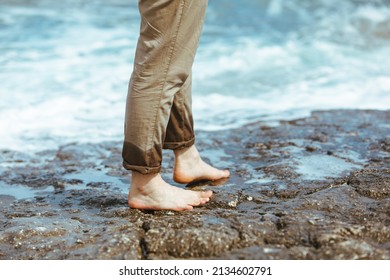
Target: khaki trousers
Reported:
point(158, 107)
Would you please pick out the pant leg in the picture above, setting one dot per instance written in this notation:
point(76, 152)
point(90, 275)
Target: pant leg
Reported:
point(159, 96)
point(180, 130)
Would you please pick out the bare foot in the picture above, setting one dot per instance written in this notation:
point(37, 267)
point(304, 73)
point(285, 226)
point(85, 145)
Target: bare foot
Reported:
point(153, 193)
point(189, 167)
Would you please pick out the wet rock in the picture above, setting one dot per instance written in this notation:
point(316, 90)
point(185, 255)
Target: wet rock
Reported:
point(311, 148)
point(313, 188)
point(121, 246)
point(190, 242)
point(371, 183)
point(319, 137)
point(106, 200)
point(382, 144)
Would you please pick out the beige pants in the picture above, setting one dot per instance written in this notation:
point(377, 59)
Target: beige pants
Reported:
point(158, 107)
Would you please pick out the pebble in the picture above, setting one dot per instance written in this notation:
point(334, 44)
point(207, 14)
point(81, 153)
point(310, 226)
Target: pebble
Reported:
point(232, 203)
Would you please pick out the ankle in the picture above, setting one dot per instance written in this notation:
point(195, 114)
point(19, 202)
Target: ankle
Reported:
point(138, 179)
point(187, 154)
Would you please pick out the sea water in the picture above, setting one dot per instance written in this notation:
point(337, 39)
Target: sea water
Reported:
point(65, 65)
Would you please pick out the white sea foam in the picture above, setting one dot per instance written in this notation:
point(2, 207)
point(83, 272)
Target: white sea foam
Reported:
point(64, 67)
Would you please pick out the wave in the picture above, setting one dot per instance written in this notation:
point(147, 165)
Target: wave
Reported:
point(65, 65)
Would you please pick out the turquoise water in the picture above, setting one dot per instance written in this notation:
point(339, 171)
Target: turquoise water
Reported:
point(65, 65)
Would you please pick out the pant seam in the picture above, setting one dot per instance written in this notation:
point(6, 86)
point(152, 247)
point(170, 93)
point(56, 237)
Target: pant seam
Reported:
point(182, 119)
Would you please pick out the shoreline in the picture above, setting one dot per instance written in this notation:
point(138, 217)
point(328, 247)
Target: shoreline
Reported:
point(310, 188)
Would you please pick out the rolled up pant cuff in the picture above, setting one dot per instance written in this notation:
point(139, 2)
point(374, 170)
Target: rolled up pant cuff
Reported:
point(179, 145)
point(142, 169)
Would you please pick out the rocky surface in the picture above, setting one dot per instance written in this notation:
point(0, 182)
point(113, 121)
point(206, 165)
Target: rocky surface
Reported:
point(313, 188)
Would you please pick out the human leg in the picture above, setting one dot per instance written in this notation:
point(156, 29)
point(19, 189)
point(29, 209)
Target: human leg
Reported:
point(189, 166)
point(159, 89)
point(162, 67)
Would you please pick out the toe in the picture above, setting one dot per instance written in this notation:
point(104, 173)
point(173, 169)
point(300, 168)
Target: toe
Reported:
point(206, 194)
point(189, 207)
point(205, 200)
point(197, 202)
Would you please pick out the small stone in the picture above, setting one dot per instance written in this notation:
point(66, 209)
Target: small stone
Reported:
point(79, 241)
point(232, 203)
point(249, 198)
point(310, 149)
